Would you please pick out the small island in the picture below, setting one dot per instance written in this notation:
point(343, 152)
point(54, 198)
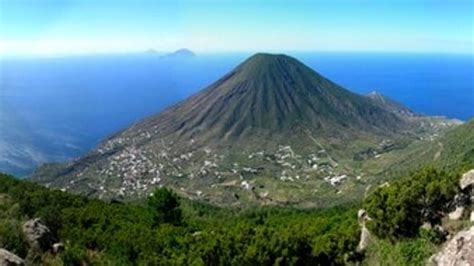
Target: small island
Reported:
point(181, 53)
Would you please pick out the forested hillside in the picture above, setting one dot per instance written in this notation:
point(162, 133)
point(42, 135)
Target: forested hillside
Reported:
point(167, 230)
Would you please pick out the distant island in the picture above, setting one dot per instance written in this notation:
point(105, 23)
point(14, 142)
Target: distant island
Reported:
point(181, 53)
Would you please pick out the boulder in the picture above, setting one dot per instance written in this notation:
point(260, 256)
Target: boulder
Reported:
point(457, 251)
point(9, 259)
point(456, 214)
point(467, 180)
point(38, 235)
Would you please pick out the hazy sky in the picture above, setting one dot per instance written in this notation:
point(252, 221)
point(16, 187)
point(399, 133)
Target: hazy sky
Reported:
point(98, 26)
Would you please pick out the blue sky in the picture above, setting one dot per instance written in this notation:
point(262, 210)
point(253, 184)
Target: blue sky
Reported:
point(101, 26)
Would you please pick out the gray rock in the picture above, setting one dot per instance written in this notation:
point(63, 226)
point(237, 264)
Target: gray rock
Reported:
point(38, 235)
point(456, 214)
point(459, 251)
point(467, 179)
point(9, 259)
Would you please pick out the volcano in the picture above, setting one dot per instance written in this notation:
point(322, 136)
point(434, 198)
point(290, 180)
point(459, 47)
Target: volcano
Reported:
point(270, 118)
point(270, 95)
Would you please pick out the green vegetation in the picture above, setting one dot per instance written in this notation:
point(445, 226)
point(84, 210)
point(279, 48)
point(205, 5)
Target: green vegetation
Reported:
point(403, 252)
point(168, 230)
point(164, 207)
point(400, 209)
point(453, 149)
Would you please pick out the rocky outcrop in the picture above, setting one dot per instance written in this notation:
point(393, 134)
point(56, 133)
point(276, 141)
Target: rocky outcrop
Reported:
point(362, 217)
point(462, 201)
point(458, 251)
point(38, 235)
point(9, 259)
point(457, 214)
point(467, 180)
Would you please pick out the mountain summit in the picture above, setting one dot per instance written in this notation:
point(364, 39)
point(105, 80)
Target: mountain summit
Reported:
point(268, 94)
point(268, 127)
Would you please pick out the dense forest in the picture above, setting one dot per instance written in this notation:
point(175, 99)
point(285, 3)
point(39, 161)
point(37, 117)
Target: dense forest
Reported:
point(165, 229)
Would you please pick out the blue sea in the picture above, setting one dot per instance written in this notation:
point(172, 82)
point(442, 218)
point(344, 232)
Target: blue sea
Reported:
point(55, 109)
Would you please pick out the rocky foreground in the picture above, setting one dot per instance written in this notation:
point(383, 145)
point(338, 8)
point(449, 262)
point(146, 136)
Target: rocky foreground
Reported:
point(40, 240)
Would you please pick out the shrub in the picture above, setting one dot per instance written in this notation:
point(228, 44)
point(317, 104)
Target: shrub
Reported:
point(401, 208)
point(164, 205)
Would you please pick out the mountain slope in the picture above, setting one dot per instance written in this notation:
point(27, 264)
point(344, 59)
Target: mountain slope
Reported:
point(389, 104)
point(453, 148)
point(272, 130)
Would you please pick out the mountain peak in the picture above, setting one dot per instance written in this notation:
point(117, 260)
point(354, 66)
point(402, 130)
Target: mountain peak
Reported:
point(266, 57)
point(270, 94)
point(262, 61)
point(271, 105)
point(278, 69)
